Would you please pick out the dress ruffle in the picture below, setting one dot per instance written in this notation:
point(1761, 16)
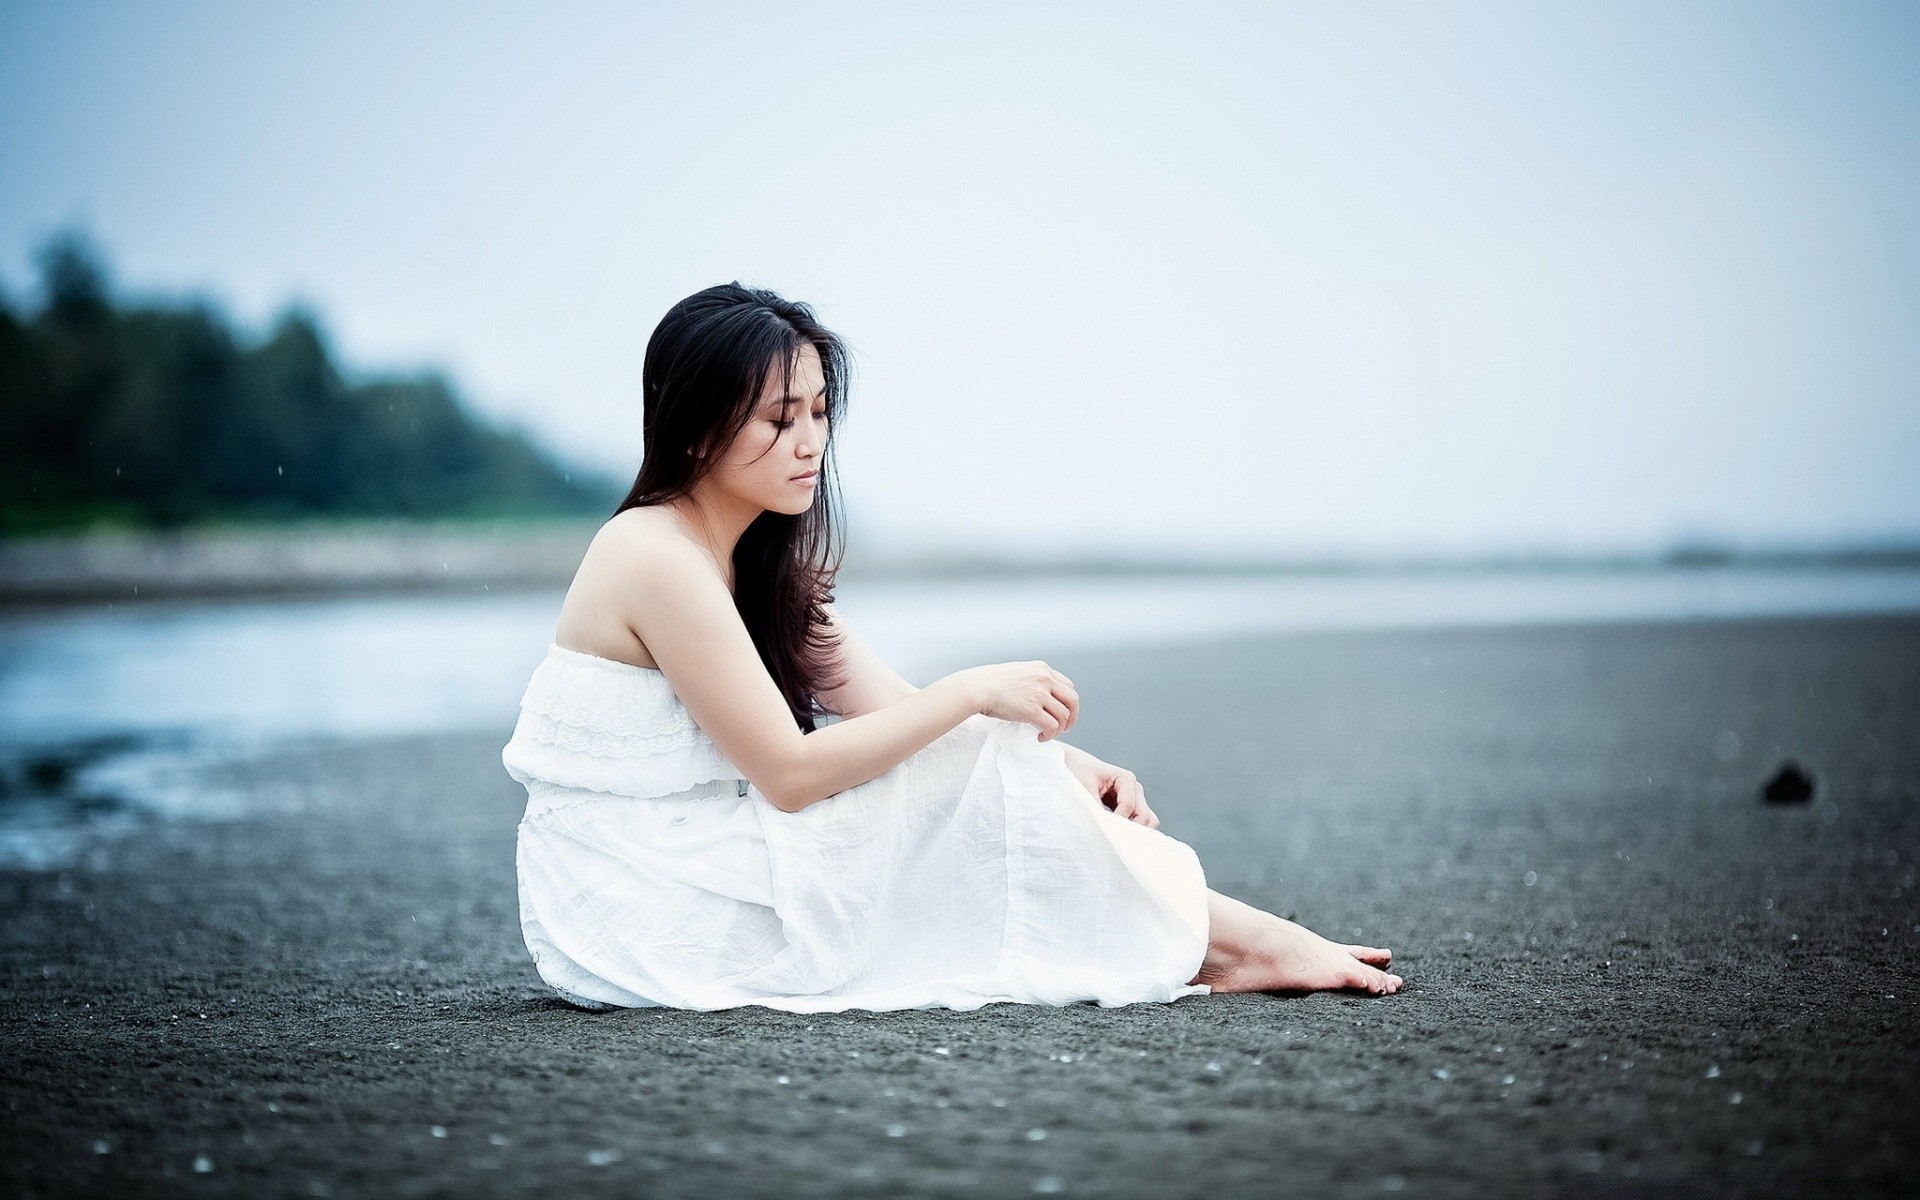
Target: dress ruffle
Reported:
point(590, 722)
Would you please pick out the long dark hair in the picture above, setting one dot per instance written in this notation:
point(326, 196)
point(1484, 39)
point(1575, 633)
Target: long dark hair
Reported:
point(707, 363)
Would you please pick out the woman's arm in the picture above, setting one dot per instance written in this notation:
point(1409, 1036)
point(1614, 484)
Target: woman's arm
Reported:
point(872, 685)
point(675, 601)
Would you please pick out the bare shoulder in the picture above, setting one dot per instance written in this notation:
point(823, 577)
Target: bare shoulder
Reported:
point(634, 558)
point(622, 542)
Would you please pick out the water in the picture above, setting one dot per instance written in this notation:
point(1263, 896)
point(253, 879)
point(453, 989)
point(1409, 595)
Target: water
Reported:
point(108, 714)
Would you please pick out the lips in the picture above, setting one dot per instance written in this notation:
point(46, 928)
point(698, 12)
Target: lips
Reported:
point(809, 477)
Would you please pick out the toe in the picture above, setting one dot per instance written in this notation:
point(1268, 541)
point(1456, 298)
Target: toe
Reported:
point(1371, 955)
point(1370, 979)
point(1381, 983)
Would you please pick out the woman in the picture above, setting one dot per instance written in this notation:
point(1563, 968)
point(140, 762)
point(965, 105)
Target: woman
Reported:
point(696, 837)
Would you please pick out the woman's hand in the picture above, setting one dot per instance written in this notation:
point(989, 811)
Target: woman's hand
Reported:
point(1115, 787)
point(1024, 691)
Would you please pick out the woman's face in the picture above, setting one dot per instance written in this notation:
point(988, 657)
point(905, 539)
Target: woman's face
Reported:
point(783, 440)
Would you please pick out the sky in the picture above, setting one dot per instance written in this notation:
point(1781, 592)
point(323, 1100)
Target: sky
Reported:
point(1357, 280)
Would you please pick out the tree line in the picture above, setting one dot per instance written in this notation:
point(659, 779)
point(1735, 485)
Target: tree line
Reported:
point(160, 414)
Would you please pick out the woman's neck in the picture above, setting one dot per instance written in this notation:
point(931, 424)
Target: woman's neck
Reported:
point(716, 521)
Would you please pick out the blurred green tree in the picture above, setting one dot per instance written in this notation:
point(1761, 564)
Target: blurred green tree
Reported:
point(159, 415)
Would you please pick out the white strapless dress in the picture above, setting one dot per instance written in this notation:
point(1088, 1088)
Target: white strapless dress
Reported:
point(978, 870)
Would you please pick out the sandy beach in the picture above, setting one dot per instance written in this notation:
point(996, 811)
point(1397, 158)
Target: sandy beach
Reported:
point(1626, 974)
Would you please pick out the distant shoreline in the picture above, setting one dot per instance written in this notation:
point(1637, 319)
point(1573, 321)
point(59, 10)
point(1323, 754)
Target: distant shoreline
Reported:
point(334, 557)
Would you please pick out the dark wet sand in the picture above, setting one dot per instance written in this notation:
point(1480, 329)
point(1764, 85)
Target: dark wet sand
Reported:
point(1696, 992)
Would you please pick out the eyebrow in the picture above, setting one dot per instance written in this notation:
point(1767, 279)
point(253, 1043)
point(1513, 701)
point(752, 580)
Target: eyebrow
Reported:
point(783, 401)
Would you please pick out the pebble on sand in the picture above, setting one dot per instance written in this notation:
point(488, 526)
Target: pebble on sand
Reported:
point(1791, 784)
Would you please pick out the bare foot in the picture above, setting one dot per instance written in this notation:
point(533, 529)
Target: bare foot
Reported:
point(1281, 956)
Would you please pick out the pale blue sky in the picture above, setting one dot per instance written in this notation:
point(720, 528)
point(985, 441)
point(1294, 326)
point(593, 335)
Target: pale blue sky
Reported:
point(1352, 278)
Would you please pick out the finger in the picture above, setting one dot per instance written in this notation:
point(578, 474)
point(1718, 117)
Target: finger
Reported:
point(1137, 801)
point(1069, 700)
point(1052, 719)
point(1066, 715)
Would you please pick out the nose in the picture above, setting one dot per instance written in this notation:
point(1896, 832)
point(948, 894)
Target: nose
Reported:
point(810, 442)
